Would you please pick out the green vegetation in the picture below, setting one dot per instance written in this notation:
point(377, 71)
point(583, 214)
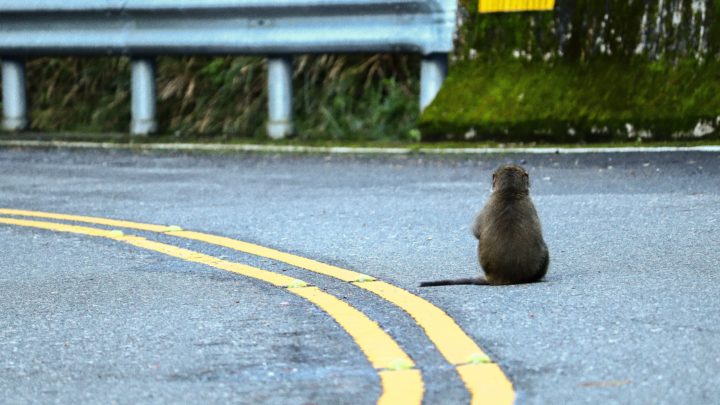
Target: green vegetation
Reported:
point(581, 31)
point(591, 71)
point(346, 98)
point(515, 101)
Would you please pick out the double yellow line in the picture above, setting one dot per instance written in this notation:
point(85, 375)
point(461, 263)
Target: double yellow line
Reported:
point(401, 382)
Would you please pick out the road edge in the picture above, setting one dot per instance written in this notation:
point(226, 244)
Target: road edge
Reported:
point(348, 150)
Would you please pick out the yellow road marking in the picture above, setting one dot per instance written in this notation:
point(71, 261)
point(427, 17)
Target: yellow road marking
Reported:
point(451, 341)
point(401, 386)
point(90, 220)
point(400, 378)
point(486, 382)
point(490, 384)
point(257, 250)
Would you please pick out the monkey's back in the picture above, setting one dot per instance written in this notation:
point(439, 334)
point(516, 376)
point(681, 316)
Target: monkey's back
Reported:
point(512, 249)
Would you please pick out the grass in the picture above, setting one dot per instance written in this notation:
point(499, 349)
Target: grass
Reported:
point(336, 97)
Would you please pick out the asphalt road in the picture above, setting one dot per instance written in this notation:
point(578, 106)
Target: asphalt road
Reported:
point(628, 314)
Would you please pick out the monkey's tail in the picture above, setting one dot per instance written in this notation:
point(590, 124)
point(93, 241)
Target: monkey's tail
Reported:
point(474, 281)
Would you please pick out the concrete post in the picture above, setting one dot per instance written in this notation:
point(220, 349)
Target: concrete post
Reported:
point(143, 97)
point(279, 97)
point(433, 70)
point(14, 97)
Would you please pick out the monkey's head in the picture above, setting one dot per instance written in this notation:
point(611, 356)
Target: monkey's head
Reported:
point(511, 178)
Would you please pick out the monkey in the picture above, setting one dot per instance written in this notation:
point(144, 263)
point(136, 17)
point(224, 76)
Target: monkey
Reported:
point(511, 248)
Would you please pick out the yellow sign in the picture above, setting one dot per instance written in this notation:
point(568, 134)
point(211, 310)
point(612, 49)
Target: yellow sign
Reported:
point(500, 6)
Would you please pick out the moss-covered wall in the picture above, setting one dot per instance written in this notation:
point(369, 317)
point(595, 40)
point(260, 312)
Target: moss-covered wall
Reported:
point(583, 30)
point(591, 70)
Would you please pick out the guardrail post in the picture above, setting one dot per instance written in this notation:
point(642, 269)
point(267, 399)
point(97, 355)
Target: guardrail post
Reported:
point(433, 70)
point(14, 97)
point(279, 96)
point(143, 97)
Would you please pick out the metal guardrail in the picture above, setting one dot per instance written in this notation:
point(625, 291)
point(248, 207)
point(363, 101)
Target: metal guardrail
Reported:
point(276, 28)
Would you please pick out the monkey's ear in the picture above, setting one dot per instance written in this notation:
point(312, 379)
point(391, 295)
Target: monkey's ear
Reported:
point(493, 182)
point(527, 179)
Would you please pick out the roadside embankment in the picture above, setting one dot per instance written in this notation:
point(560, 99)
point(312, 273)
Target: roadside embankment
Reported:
point(588, 71)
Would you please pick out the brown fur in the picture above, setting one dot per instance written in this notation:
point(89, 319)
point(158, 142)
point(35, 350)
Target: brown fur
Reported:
point(511, 248)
